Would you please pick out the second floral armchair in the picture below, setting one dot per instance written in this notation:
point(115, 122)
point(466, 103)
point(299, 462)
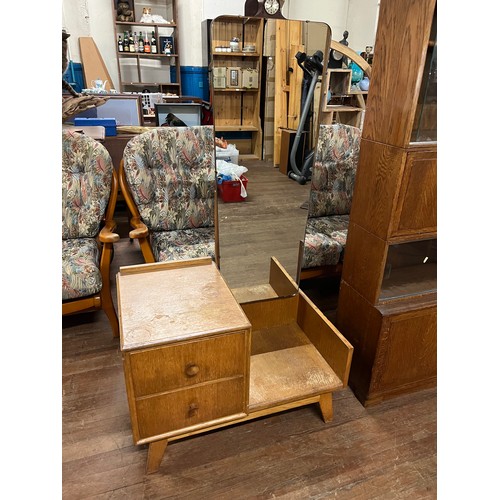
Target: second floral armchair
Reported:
point(167, 177)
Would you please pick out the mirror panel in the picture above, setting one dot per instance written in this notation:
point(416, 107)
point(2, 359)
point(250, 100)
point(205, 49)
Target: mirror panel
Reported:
point(258, 89)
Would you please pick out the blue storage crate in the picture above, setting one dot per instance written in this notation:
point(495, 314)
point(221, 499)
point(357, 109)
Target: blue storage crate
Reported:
point(109, 124)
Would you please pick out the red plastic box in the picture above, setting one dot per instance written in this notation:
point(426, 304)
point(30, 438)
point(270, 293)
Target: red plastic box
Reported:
point(230, 191)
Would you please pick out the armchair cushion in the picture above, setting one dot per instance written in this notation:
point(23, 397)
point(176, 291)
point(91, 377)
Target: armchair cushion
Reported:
point(86, 185)
point(80, 268)
point(334, 171)
point(325, 241)
point(185, 244)
point(169, 193)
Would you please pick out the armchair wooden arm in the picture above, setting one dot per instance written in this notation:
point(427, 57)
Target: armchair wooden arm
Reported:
point(140, 231)
point(106, 235)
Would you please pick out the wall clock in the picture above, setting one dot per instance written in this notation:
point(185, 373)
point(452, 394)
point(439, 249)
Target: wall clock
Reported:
point(271, 6)
point(264, 8)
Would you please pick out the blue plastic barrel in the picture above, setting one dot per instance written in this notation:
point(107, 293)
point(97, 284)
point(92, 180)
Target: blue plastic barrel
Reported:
point(194, 81)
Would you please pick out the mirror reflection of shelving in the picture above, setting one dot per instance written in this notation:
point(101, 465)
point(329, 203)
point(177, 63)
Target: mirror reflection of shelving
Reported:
point(236, 65)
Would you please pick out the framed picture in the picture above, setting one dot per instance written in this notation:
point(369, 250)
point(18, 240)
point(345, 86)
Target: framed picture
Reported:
point(167, 45)
point(188, 113)
point(233, 77)
point(125, 108)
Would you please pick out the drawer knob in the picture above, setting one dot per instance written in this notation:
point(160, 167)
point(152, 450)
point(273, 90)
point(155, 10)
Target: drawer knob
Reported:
point(193, 409)
point(192, 370)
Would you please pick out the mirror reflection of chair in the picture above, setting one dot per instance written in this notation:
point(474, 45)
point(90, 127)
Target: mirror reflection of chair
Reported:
point(89, 193)
point(332, 186)
point(167, 178)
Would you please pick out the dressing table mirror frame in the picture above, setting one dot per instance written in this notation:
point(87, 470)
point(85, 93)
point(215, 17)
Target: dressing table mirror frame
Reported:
point(217, 362)
point(288, 37)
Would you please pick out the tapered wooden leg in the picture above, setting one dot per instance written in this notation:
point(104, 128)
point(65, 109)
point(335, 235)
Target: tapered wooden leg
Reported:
point(155, 454)
point(326, 406)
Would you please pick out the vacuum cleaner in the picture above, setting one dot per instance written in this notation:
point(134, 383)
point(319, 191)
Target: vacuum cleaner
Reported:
point(313, 68)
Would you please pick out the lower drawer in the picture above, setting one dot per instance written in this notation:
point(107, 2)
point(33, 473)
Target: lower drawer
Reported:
point(164, 413)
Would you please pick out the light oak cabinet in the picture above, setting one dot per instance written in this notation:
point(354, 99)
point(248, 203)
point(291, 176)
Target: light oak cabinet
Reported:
point(387, 304)
point(195, 360)
point(235, 81)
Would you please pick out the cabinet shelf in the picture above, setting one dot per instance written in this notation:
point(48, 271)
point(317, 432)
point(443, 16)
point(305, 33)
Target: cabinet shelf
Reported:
point(149, 83)
point(236, 128)
point(236, 90)
point(409, 281)
point(284, 373)
point(236, 54)
point(142, 54)
point(341, 108)
point(158, 25)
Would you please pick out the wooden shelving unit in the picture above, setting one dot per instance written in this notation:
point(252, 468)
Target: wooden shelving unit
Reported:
point(152, 72)
point(387, 304)
point(345, 105)
point(237, 109)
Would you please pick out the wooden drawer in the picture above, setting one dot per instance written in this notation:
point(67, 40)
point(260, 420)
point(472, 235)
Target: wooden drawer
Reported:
point(176, 366)
point(181, 409)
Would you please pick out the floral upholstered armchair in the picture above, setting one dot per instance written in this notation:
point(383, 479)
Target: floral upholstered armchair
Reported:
point(332, 186)
point(167, 177)
point(89, 193)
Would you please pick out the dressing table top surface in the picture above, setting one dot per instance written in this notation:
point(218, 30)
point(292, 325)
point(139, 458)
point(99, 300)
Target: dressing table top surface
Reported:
point(173, 301)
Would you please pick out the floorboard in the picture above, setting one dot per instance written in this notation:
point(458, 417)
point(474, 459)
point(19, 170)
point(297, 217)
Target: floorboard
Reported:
point(387, 451)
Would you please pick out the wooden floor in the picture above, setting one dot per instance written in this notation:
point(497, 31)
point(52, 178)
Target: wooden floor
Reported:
point(383, 452)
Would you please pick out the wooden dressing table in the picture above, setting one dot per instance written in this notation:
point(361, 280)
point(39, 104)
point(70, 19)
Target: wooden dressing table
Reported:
point(195, 360)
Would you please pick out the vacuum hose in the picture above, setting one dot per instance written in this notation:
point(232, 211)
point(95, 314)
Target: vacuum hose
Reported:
point(313, 67)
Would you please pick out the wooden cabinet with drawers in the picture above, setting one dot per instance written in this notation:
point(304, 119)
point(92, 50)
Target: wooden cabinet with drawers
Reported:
point(195, 359)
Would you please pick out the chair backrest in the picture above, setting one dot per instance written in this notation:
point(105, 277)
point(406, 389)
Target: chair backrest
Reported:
point(334, 170)
point(87, 172)
point(170, 173)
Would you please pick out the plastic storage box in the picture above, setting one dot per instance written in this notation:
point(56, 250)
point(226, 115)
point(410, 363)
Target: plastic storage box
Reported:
point(230, 191)
point(231, 154)
point(109, 124)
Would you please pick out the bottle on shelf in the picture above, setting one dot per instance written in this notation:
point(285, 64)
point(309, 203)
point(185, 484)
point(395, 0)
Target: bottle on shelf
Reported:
point(120, 43)
point(147, 45)
point(132, 45)
point(141, 42)
point(126, 43)
point(136, 42)
point(154, 48)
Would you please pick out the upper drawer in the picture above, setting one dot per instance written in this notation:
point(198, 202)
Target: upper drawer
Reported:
point(175, 366)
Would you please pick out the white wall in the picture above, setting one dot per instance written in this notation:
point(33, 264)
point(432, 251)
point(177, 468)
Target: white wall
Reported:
point(362, 16)
point(95, 18)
